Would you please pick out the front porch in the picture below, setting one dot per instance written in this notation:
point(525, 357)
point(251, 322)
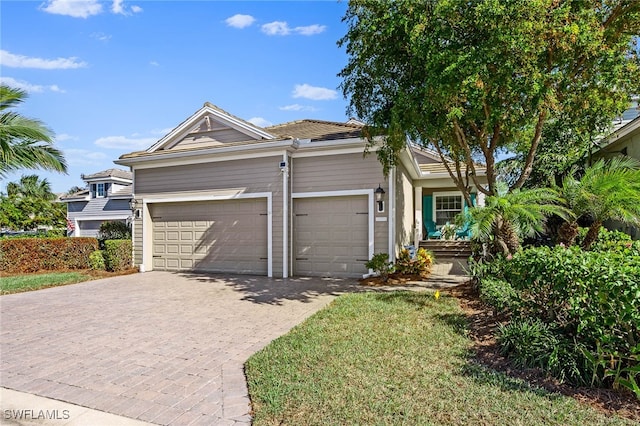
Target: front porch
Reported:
point(451, 256)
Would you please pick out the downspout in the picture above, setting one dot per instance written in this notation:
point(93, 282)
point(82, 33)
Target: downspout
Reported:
point(285, 216)
point(392, 215)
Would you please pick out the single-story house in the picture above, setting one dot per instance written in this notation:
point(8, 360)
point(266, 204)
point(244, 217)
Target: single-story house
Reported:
point(105, 199)
point(218, 193)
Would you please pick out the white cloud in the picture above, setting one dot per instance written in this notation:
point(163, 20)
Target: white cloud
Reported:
point(260, 122)
point(161, 132)
point(101, 36)
point(9, 59)
point(240, 21)
point(74, 8)
point(282, 28)
point(123, 142)
point(119, 8)
point(28, 87)
point(310, 29)
point(276, 28)
point(154, 63)
point(314, 93)
point(84, 157)
point(297, 107)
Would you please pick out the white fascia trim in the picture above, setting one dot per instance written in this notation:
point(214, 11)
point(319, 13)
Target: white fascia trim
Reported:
point(109, 179)
point(93, 218)
point(620, 133)
point(333, 151)
point(210, 155)
point(346, 193)
point(184, 127)
point(267, 195)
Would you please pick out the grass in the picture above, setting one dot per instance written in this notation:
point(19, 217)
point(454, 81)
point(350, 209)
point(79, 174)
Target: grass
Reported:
point(394, 358)
point(29, 282)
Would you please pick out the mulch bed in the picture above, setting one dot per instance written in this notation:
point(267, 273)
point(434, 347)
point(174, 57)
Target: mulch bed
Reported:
point(394, 279)
point(483, 324)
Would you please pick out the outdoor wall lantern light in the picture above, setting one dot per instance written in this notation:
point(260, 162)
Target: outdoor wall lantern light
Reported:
point(380, 198)
point(134, 206)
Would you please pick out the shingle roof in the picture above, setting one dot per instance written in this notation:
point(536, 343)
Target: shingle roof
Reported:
point(316, 130)
point(117, 173)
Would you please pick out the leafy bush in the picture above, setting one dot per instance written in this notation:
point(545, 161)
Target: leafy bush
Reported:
point(611, 241)
point(500, 295)
point(117, 254)
point(36, 254)
point(420, 265)
point(96, 260)
point(114, 231)
point(380, 264)
point(592, 298)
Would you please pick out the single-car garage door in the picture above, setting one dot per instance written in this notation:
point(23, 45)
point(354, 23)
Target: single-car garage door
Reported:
point(331, 236)
point(218, 236)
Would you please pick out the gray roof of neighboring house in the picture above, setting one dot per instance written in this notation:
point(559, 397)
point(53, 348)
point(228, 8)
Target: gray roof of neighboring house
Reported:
point(115, 173)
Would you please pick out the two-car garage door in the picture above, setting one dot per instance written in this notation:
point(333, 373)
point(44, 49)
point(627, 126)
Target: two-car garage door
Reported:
point(330, 236)
point(219, 236)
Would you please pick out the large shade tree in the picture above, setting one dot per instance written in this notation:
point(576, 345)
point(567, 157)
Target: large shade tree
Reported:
point(473, 79)
point(25, 143)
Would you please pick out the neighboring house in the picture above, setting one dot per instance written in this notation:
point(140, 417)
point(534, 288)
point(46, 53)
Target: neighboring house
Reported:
point(624, 140)
point(220, 194)
point(106, 199)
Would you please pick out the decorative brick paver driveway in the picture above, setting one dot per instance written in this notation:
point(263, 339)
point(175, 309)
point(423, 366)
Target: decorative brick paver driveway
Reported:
point(162, 347)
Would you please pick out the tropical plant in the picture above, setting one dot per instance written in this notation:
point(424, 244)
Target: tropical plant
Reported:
point(380, 264)
point(29, 204)
point(25, 143)
point(508, 217)
point(608, 190)
point(473, 79)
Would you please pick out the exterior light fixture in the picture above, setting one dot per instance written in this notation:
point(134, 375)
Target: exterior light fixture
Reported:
point(380, 198)
point(135, 208)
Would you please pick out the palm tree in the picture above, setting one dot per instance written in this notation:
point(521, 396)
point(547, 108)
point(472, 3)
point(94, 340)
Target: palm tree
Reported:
point(508, 217)
point(25, 143)
point(31, 186)
point(608, 190)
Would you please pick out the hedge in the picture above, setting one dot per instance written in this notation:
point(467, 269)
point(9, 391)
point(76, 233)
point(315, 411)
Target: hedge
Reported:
point(37, 254)
point(117, 254)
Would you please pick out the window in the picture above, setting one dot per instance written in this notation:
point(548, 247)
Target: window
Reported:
point(99, 190)
point(446, 207)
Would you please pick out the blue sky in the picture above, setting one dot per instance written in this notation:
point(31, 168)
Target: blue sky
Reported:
point(111, 77)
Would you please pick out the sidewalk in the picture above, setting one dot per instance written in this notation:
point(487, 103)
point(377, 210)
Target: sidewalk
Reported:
point(24, 409)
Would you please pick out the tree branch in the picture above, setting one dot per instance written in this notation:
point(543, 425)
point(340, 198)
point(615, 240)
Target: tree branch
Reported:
point(528, 164)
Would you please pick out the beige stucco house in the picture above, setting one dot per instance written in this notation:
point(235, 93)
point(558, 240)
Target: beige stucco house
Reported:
point(220, 194)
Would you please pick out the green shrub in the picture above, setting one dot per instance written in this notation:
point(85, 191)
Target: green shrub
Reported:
point(527, 341)
point(420, 265)
point(115, 230)
point(380, 264)
point(592, 298)
point(96, 260)
point(500, 295)
point(117, 254)
point(25, 255)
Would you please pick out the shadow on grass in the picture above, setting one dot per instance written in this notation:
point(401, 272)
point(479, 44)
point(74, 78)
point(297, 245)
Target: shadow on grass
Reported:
point(274, 291)
point(458, 322)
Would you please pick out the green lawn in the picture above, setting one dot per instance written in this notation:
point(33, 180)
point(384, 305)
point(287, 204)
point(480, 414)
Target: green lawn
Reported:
point(394, 358)
point(28, 282)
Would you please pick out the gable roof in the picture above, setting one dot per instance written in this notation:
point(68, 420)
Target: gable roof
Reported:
point(202, 120)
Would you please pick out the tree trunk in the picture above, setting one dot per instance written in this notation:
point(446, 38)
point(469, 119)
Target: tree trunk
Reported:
point(567, 233)
point(592, 235)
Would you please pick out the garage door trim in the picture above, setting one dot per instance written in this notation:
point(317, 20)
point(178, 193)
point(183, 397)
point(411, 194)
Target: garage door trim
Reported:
point(146, 220)
point(346, 193)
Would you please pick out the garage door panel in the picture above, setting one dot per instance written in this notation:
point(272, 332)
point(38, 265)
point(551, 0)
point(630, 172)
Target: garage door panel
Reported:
point(331, 236)
point(221, 236)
